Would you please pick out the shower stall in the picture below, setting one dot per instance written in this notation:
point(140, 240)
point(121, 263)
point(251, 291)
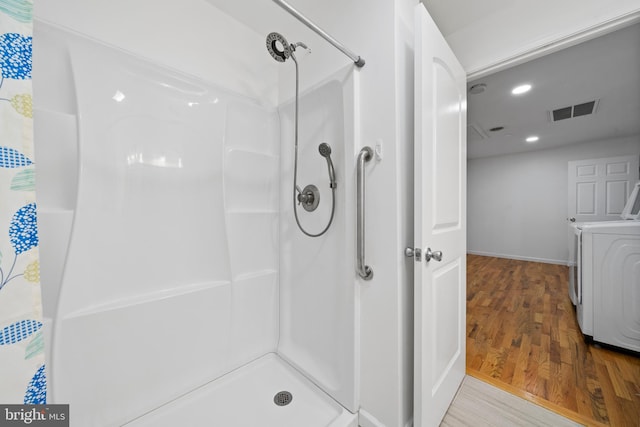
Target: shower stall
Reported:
point(178, 165)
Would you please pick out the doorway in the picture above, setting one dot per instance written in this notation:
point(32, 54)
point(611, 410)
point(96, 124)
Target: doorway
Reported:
point(517, 238)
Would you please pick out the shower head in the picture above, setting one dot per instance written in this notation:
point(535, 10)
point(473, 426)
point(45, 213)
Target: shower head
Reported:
point(278, 47)
point(324, 149)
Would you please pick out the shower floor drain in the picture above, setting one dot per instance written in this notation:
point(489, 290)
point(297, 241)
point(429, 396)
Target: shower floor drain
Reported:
point(282, 398)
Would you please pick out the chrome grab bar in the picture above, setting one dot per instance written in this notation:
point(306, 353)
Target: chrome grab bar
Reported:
point(364, 270)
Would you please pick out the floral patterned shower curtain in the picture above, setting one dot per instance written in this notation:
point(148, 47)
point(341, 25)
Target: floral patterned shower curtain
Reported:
point(22, 370)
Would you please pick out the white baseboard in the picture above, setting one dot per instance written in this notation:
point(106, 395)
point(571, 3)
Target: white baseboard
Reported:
point(365, 419)
point(521, 258)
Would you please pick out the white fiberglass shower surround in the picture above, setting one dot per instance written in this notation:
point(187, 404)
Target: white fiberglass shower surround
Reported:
point(179, 285)
point(180, 288)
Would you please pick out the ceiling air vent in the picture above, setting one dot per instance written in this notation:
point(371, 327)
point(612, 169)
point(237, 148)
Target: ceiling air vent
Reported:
point(562, 113)
point(583, 109)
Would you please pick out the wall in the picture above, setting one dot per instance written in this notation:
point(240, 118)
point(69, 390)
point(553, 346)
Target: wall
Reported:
point(517, 203)
point(190, 36)
point(319, 319)
point(404, 83)
point(162, 206)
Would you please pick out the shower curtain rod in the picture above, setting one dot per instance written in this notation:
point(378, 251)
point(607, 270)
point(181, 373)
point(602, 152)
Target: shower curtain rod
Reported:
point(358, 60)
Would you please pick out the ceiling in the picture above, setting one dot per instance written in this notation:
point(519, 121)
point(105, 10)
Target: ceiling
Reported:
point(606, 69)
point(454, 15)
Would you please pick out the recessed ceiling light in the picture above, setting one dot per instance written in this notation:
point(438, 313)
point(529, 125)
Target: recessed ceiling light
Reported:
point(519, 90)
point(531, 139)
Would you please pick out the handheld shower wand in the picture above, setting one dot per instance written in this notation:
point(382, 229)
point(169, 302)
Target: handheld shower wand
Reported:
point(325, 151)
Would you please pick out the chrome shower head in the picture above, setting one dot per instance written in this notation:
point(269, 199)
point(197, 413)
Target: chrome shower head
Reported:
point(278, 47)
point(324, 149)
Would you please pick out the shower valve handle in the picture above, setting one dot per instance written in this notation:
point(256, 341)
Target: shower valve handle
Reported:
point(301, 197)
point(305, 198)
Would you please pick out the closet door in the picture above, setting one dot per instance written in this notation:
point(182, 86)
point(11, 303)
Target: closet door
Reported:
point(599, 188)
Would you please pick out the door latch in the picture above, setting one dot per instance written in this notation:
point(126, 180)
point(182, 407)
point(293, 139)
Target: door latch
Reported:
point(413, 253)
point(416, 253)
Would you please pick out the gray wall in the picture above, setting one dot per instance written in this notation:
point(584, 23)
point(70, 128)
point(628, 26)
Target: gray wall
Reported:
point(517, 204)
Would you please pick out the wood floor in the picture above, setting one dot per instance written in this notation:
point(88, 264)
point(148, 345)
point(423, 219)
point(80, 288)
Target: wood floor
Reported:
point(522, 336)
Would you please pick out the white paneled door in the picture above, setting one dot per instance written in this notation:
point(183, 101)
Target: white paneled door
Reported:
point(440, 223)
point(599, 188)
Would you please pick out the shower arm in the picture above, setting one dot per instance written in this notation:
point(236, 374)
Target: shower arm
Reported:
point(358, 60)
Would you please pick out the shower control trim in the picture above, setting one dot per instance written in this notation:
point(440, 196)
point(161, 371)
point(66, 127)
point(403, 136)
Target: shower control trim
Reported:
point(309, 197)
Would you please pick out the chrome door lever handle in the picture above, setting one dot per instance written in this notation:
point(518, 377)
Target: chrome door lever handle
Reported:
point(437, 255)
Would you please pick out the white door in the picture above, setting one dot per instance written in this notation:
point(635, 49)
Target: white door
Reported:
point(440, 223)
point(599, 188)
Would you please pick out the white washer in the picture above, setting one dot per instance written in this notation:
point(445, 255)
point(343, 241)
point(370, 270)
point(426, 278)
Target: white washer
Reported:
point(631, 211)
point(574, 241)
point(610, 283)
point(606, 277)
